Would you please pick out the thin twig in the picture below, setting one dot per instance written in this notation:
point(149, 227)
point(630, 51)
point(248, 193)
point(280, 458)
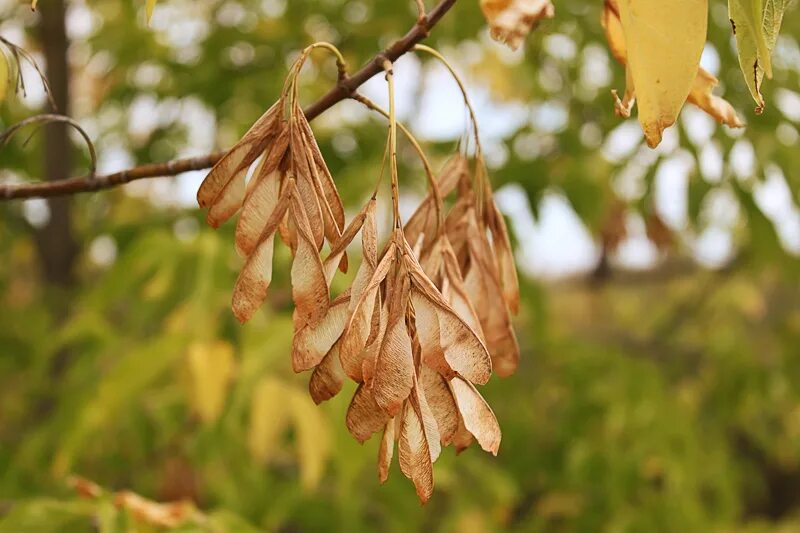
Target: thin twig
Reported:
point(344, 89)
point(49, 118)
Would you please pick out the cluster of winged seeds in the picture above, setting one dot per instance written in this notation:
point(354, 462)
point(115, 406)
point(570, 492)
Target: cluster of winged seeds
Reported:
point(419, 326)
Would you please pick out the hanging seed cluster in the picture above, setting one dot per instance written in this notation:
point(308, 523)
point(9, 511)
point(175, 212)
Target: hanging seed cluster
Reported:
point(428, 314)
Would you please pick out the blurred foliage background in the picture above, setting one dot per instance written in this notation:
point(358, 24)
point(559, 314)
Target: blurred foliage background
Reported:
point(659, 387)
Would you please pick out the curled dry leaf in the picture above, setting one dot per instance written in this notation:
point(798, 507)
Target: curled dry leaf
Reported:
point(701, 90)
point(510, 21)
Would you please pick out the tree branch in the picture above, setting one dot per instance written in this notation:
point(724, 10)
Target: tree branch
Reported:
point(346, 87)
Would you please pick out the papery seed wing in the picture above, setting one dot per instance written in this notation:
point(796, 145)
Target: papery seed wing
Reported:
point(360, 323)
point(328, 186)
point(364, 417)
point(462, 438)
point(477, 415)
point(441, 402)
point(339, 246)
point(309, 286)
point(463, 349)
point(228, 201)
point(482, 284)
point(311, 343)
point(251, 286)
point(503, 254)
point(258, 207)
point(457, 295)
point(369, 251)
point(238, 158)
point(328, 377)
point(414, 446)
point(423, 221)
point(386, 451)
point(380, 319)
point(305, 185)
point(394, 366)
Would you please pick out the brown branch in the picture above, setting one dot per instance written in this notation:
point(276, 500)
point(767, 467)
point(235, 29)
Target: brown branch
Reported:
point(346, 87)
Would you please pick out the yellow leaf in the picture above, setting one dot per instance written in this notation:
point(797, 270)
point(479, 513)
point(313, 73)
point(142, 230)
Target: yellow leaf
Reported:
point(34, 3)
point(269, 418)
point(4, 76)
point(664, 41)
point(701, 93)
point(211, 368)
point(149, 7)
point(312, 440)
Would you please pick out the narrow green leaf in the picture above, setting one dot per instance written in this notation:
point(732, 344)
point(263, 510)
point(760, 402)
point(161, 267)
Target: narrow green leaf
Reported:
point(756, 24)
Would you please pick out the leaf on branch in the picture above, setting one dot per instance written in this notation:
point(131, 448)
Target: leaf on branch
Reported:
point(211, 367)
point(660, 44)
point(5, 77)
point(149, 7)
point(510, 21)
point(701, 93)
point(756, 24)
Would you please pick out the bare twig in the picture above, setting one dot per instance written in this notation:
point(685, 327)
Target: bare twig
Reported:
point(345, 88)
point(49, 119)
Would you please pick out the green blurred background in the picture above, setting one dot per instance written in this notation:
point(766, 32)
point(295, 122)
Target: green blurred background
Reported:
point(659, 386)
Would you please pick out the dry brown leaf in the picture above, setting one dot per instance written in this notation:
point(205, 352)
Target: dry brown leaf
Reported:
point(702, 96)
point(510, 21)
point(364, 416)
point(477, 415)
point(386, 451)
point(312, 343)
point(169, 515)
point(309, 286)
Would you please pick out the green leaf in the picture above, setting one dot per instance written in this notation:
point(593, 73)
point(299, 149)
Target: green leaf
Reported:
point(756, 24)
